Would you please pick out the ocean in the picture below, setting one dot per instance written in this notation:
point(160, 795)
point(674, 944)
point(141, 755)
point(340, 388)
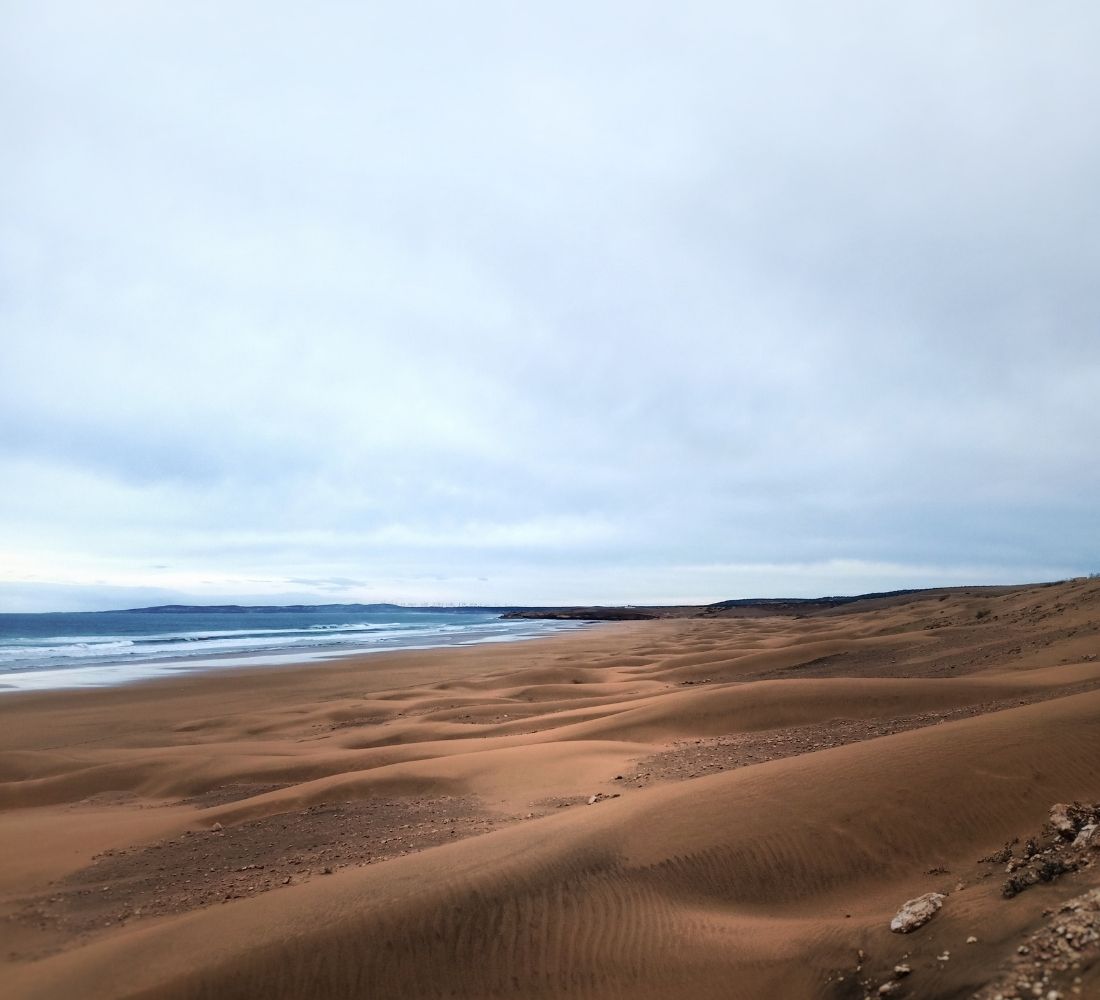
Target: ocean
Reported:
point(93, 649)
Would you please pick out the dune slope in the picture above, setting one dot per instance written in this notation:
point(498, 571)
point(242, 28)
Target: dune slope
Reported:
point(706, 808)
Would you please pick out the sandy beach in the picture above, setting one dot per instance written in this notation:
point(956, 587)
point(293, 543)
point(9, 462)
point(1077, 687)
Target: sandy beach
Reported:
point(727, 807)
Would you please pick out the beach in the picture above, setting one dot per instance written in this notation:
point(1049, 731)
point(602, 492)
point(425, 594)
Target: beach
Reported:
point(725, 806)
point(40, 652)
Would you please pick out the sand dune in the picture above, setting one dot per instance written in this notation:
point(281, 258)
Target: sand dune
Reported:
point(767, 792)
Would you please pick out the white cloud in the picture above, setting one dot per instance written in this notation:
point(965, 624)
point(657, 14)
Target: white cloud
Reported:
point(625, 299)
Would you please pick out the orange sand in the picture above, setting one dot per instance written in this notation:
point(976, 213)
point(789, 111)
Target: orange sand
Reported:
point(418, 824)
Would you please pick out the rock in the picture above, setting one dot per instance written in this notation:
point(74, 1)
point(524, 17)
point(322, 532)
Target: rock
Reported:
point(1044, 870)
point(593, 799)
point(1060, 819)
point(888, 989)
point(1088, 837)
point(917, 912)
point(971, 940)
point(902, 970)
point(216, 827)
point(998, 857)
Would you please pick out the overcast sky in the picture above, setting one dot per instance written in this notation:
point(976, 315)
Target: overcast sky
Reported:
point(570, 302)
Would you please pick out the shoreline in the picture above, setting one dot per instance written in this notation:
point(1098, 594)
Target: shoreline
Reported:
point(751, 799)
point(136, 669)
point(298, 671)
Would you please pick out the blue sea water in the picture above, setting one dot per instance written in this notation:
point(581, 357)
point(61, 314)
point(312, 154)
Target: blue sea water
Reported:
point(40, 651)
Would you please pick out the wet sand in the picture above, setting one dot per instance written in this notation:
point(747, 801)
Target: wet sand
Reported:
point(724, 807)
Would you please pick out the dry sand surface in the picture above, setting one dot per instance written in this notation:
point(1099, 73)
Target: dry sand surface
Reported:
point(677, 808)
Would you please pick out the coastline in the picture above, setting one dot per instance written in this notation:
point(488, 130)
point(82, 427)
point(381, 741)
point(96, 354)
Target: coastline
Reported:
point(679, 803)
point(110, 670)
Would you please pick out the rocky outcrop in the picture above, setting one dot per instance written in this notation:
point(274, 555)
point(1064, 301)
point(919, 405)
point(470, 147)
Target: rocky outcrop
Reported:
point(1066, 845)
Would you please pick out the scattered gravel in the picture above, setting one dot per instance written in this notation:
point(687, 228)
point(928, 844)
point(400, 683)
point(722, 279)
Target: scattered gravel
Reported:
point(214, 865)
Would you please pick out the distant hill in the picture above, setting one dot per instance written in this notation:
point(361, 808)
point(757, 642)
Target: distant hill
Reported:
point(213, 609)
point(584, 614)
point(804, 602)
point(747, 607)
point(756, 607)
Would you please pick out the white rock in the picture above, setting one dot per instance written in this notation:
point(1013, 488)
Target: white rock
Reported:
point(1059, 818)
point(917, 912)
point(1087, 836)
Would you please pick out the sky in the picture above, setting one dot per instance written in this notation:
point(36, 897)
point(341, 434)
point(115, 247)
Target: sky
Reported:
point(556, 303)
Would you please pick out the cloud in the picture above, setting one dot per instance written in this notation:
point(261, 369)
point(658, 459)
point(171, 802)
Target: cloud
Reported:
point(411, 293)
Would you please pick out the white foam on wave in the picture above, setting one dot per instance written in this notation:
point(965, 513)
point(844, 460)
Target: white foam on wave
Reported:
point(95, 661)
point(16, 654)
point(30, 653)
